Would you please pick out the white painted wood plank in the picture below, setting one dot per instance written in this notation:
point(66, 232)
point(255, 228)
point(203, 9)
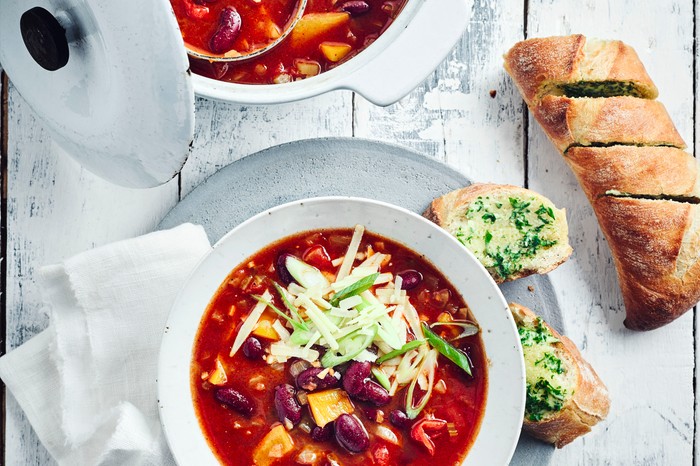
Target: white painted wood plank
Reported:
point(452, 116)
point(55, 210)
point(650, 375)
point(226, 132)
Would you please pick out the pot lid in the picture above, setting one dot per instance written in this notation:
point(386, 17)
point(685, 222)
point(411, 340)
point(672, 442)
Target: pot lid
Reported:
point(110, 79)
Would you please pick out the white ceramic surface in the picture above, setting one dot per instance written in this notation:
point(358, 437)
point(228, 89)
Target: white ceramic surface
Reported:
point(123, 106)
point(506, 389)
point(399, 60)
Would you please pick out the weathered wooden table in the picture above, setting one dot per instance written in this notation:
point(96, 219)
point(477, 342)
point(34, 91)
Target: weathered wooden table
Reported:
point(52, 209)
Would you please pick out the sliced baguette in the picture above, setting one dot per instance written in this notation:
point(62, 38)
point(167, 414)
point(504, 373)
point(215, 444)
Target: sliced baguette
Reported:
point(603, 121)
point(510, 245)
point(645, 171)
point(656, 248)
point(575, 66)
point(583, 400)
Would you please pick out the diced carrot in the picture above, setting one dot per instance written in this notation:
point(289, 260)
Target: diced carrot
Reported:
point(263, 328)
point(275, 445)
point(326, 406)
point(218, 376)
point(313, 25)
point(335, 51)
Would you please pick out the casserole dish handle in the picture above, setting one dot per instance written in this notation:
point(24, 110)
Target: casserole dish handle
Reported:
point(417, 52)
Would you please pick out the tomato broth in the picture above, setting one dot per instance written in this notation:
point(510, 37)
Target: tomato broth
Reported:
point(236, 435)
point(329, 33)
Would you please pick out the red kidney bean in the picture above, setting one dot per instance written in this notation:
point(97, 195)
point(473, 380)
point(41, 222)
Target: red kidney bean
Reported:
point(351, 434)
point(355, 7)
point(371, 413)
point(374, 393)
point(355, 376)
point(410, 279)
point(229, 28)
point(399, 419)
point(286, 403)
point(281, 267)
point(321, 434)
point(235, 400)
point(252, 348)
point(308, 380)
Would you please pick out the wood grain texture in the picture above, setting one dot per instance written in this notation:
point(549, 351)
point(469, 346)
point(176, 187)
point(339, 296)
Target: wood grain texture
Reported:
point(649, 375)
point(226, 132)
point(55, 209)
point(452, 116)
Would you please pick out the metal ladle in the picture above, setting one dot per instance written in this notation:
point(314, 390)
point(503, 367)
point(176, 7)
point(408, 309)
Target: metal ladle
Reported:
point(297, 13)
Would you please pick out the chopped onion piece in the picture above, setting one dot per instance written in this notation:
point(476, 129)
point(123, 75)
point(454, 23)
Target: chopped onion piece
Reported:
point(387, 434)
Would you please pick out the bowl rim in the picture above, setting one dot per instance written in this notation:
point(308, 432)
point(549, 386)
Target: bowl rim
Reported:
point(336, 78)
point(507, 432)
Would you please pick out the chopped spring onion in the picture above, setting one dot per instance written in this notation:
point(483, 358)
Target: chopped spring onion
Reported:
point(355, 289)
point(354, 345)
point(404, 349)
point(249, 323)
point(429, 365)
point(288, 304)
point(381, 378)
point(306, 275)
point(446, 349)
point(297, 325)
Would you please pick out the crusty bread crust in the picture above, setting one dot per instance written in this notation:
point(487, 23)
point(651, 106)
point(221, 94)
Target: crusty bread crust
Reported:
point(590, 121)
point(656, 247)
point(537, 63)
point(635, 170)
point(444, 208)
point(589, 404)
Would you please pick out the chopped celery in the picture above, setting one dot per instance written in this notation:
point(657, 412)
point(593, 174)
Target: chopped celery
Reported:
point(404, 349)
point(356, 288)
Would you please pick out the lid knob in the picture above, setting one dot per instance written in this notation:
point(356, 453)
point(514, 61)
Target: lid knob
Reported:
point(44, 38)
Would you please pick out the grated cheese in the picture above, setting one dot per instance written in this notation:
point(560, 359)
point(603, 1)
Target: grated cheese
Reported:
point(349, 257)
point(249, 323)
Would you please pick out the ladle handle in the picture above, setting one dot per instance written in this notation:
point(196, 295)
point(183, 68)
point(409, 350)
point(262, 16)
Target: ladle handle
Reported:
point(44, 38)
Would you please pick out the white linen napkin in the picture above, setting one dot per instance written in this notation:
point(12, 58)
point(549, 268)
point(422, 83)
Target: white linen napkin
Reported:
point(88, 382)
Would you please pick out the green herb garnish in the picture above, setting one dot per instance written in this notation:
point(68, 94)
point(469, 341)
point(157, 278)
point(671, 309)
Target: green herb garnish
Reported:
point(404, 349)
point(539, 334)
point(541, 398)
point(356, 288)
point(296, 325)
point(552, 363)
point(446, 349)
point(489, 217)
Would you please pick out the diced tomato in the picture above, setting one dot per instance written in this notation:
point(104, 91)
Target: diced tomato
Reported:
point(318, 257)
point(196, 11)
point(428, 425)
point(380, 454)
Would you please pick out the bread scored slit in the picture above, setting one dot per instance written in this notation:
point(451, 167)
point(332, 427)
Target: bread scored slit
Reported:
point(633, 170)
point(571, 122)
point(576, 66)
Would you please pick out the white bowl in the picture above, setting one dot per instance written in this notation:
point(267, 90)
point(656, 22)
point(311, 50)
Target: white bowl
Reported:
point(392, 66)
point(505, 401)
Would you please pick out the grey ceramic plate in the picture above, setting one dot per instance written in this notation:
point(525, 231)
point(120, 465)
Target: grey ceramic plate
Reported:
point(348, 167)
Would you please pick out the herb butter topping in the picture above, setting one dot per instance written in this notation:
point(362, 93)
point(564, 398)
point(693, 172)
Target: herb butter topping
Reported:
point(548, 382)
point(505, 233)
